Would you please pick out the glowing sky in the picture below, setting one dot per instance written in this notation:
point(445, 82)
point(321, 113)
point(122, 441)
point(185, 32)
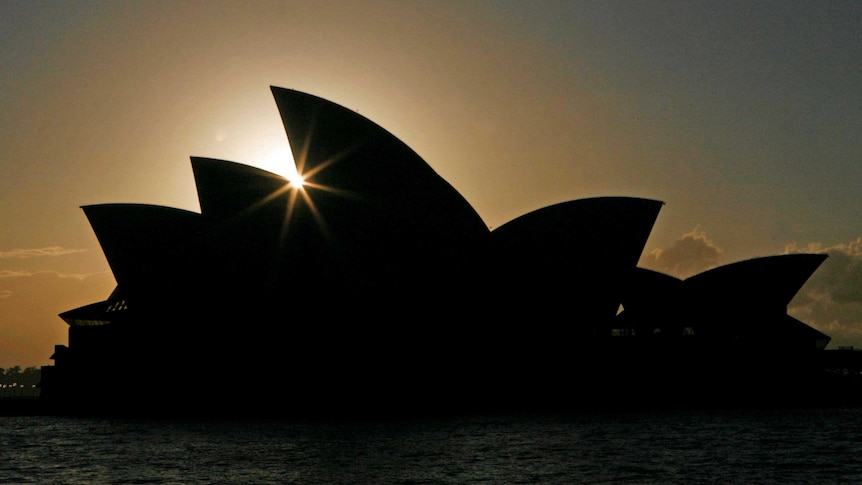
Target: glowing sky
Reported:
point(744, 117)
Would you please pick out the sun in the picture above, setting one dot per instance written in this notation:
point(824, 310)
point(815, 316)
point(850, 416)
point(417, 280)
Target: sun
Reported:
point(281, 162)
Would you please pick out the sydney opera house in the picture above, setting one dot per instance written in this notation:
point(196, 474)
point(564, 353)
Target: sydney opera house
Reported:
point(374, 286)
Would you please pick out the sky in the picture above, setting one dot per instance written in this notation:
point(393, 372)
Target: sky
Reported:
point(743, 117)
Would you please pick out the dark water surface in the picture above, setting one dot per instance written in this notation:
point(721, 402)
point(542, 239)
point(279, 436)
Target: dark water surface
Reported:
point(715, 447)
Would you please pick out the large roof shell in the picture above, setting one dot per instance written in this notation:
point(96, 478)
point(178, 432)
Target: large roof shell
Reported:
point(347, 157)
point(571, 259)
point(375, 218)
point(766, 281)
point(596, 232)
point(340, 149)
point(229, 189)
point(153, 251)
point(747, 301)
point(744, 300)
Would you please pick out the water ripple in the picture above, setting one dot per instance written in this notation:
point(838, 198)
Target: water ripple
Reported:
point(691, 447)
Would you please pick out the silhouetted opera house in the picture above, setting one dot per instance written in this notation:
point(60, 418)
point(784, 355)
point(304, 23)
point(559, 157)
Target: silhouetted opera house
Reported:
point(376, 287)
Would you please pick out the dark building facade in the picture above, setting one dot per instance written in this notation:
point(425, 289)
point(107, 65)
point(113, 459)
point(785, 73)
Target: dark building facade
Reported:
point(375, 287)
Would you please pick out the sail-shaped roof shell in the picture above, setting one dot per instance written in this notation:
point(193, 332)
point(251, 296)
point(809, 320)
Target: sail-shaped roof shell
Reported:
point(773, 279)
point(352, 158)
point(747, 300)
point(229, 189)
point(569, 261)
point(377, 220)
point(154, 252)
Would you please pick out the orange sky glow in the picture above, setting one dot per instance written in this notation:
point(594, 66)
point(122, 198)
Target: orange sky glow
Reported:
point(744, 118)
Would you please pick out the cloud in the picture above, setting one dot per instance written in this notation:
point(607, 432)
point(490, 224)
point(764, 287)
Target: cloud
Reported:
point(831, 300)
point(6, 273)
point(38, 252)
point(689, 255)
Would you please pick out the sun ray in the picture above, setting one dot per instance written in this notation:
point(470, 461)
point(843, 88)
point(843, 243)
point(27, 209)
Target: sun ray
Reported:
point(281, 162)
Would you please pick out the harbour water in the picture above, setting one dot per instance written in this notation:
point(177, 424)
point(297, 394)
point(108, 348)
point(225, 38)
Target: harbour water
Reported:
point(686, 447)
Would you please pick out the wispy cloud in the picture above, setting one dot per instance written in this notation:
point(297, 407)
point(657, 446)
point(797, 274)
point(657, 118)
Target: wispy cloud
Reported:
point(5, 273)
point(692, 253)
point(38, 252)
